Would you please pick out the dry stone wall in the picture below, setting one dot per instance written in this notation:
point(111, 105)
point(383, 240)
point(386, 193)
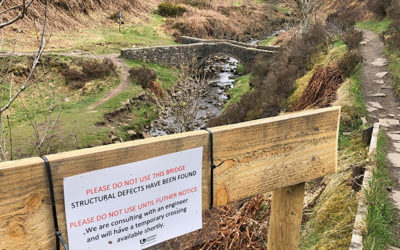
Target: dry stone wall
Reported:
point(185, 54)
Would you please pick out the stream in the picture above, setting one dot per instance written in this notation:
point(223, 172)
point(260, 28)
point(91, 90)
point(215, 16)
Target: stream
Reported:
point(222, 71)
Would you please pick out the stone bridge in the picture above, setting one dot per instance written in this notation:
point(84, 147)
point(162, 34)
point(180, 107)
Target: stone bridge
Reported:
point(197, 51)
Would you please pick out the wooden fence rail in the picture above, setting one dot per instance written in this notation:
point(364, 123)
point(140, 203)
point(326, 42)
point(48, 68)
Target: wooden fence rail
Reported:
point(279, 153)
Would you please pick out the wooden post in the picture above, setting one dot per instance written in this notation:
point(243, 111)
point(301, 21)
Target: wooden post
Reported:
point(120, 20)
point(286, 216)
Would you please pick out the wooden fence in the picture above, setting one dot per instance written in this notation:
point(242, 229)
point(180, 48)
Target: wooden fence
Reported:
point(275, 154)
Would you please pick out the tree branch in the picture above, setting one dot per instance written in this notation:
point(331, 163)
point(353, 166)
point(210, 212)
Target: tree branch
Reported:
point(20, 15)
point(27, 82)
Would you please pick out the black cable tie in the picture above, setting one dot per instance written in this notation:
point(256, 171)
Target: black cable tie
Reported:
point(58, 233)
point(213, 166)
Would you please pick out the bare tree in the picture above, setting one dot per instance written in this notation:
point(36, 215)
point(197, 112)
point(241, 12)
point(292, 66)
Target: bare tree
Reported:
point(180, 109)
point(305, 8)
point(8, 83)
point(43, 129)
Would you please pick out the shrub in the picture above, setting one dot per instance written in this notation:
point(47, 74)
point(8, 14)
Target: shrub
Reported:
point(201, 4)
point(95, 69)
point(63, 4)
point(114, 16)
point(346, 14)
point(143, 76)
point(74, 77)
point(91, 69)
point(378, 7)
point(392, 35)
point(170, 10)
point(352, 38)
point(349, 62)
point(394, 9)
point(274, 78)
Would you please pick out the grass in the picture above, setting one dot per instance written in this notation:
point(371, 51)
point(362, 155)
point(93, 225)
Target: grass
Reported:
point(268, 42)
point(107, 39)
point(283, 10)
point(76, 127)
point(166, 75)
point(240, 86)
point(356, 91)
point(331, 223)
point(375, 26)
point(394, 68)
point(381, 217)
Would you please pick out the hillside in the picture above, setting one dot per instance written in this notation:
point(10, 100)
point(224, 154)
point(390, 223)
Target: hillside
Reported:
point(90, 24)
point(83, 94)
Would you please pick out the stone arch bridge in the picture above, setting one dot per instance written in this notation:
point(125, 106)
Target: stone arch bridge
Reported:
point(195, 50)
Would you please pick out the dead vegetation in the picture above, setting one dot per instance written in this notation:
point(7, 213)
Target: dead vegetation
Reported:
point(179, 110)
point(225, 19)
point(242, 225)
point(83, 71)
point(68, 15)
point(339, 15)
point(245, 227)
point(143, 76)
point(321, 89)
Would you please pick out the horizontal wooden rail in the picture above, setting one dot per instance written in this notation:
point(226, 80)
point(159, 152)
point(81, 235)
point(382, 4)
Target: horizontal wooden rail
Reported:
point(258, 156)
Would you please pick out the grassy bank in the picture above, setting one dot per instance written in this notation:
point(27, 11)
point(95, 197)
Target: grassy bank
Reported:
point(394, 68)
point(166, 75)
point(240, 86)
point(78, 127)
point(105, 39)
point(269, 41)
point(330, 223)
point(381, 217)
point(381, 212)
point(376, 26)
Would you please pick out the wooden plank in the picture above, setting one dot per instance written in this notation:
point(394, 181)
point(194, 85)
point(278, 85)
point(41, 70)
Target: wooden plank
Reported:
point(268, 156)
point(258, 156)
point(285, 220)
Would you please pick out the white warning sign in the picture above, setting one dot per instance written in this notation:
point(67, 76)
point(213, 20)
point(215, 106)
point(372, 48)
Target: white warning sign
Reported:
point(136, 205)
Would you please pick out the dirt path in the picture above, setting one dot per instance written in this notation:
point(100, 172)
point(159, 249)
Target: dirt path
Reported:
point(381, 103)
point(124, 79)
point(114, 57)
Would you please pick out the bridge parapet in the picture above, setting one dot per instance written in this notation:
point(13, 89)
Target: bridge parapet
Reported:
point(189, 40)
point(186, 54)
